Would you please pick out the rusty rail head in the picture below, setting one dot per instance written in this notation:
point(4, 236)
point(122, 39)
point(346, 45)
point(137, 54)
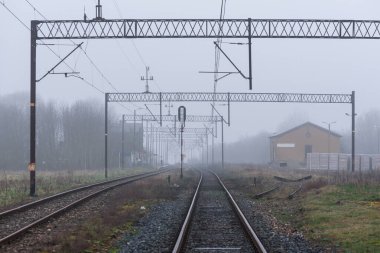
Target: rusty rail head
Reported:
point(183, 233)
point(252, 235)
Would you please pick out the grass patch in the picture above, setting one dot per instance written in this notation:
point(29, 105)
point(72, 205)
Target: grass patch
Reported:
point(338, 210)
point(346, 216)
point(14, 186)
point(124, 207)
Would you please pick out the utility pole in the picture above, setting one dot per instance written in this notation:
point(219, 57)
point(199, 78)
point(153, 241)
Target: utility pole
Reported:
point(207, 164)
point(328, 142)
point(222, 121)
point(378, 138)
point(122, 142)
point(134, 138)
point(352, 115)
point(147, 78)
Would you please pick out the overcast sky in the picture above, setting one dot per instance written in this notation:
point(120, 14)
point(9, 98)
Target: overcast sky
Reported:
point(279, 65)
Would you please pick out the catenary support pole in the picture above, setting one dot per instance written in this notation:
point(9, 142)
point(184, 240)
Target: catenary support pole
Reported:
point(222, 121)
point(353, 114)
point(207, 164)
point(32, 163)
point(229, 109)
point(134, 138)
point(181, 152)
point(212, 152)
point(106, 137)
point(123, 142)
point(160, 109)
point(250, 52)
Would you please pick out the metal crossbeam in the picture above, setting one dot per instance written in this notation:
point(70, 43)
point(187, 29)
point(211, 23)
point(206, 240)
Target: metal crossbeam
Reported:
point(229, 97)
point(186, 130)
point(187, 135)
point(171, 118)
point(208, 28)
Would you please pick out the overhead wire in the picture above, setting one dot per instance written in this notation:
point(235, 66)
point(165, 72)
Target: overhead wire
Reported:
point(118, 9)
point(84, 51)
point(219, 42)
point(35, 9)
point(46, 45)
point(217, 50)
point(14, 15)
point(87, 56)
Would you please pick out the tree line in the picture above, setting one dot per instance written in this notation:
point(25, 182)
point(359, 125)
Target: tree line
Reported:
point(68, 136)
point(72, 136)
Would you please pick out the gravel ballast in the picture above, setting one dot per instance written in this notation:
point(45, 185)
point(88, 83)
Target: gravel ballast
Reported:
point(158, 230)
point(275, 236)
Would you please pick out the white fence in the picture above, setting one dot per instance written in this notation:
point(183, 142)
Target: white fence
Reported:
point(324, 161)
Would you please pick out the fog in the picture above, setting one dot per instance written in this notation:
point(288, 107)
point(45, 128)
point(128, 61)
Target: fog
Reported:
point(279, 65)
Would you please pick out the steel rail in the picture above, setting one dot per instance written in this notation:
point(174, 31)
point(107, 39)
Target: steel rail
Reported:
point(21, 231)
point(299, 188)
point(261, 194)
point(254, 238)
point(182, 235)
point(184, 230)
point(61, 194)
point(289, 180)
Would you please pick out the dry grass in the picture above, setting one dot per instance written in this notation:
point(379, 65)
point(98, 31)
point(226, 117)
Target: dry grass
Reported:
point(346, 216)
point(122, 210)
point(337, 209)
point(14, 186)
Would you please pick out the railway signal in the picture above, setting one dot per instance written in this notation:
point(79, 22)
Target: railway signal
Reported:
point(182, 119)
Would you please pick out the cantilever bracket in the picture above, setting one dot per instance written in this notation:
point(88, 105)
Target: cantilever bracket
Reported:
point(229, 59)
point(226, 73)
point(224, 121)
point(53, 68)
point(154, 117)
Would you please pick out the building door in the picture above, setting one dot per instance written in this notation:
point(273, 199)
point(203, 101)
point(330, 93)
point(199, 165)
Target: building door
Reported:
point(308, 149)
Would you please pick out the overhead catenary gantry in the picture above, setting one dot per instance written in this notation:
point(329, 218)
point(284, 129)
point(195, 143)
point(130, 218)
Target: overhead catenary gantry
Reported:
point(158, 142)
point(208, 28)
point(229, 98)
point(170, 118)
point(170, 132)
point(100, 28)
point(135, 118)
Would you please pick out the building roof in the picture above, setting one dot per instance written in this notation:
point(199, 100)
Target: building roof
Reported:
point(305, 124)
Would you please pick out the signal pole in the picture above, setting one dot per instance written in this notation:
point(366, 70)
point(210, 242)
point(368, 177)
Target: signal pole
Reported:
point(147, 78)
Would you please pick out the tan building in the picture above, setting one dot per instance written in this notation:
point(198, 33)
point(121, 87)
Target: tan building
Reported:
point(290, 148)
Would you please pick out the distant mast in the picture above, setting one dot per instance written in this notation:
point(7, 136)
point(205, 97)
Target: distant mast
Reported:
point(99, 11)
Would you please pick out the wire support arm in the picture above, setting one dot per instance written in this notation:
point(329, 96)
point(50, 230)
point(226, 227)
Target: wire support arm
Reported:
point(59, 63)
point(151, 114)
point(229, 59)
point(226, 122)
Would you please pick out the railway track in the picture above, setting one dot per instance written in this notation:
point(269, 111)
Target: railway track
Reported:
point(215, 223)
point(15, 222)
